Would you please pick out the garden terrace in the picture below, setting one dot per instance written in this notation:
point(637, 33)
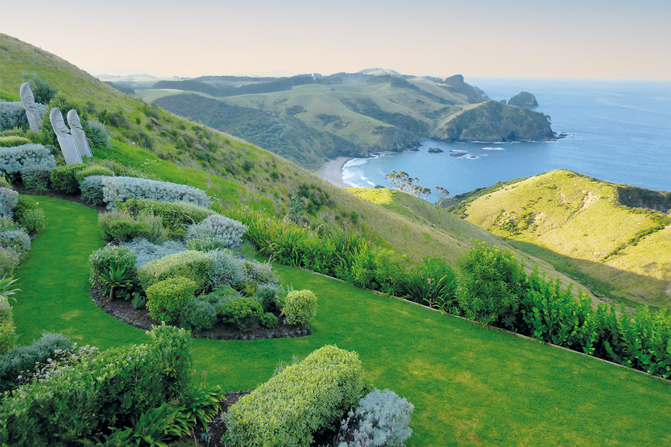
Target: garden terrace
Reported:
point(470, 385)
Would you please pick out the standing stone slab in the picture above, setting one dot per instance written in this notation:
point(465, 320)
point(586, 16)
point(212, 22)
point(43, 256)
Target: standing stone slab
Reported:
point(65, 140)
point(28, 101)
point(78, 134)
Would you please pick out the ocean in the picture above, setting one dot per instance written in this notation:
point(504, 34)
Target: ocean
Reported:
point(618, 131)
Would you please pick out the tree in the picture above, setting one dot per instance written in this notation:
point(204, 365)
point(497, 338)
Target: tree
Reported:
point(441, 192)
point(404, 183)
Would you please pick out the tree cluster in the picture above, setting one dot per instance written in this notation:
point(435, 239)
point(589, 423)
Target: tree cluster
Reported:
point(404, 183)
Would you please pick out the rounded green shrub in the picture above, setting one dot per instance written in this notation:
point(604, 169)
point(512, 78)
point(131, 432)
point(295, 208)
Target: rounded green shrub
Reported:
point(93, 170)
point(189, 264)
point(166, 299)
point(197, 315)
point(240, 311)
point(13, 140)
point(268, 320)
point(300, 307)
point(63, 178)
point(490, 285)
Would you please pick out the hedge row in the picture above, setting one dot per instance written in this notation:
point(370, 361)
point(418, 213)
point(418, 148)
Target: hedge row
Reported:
point(77, 399)
point(284, 411)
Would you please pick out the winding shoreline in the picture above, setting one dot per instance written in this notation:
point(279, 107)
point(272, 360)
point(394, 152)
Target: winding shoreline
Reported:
point(332, 172)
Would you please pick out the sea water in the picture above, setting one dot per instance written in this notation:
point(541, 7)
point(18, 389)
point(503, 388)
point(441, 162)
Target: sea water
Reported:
point(619, 131)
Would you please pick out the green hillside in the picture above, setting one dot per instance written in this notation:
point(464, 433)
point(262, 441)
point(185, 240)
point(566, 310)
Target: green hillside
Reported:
point(471, 385)
point(618, 235)
point(349, 114)
point(234, 172)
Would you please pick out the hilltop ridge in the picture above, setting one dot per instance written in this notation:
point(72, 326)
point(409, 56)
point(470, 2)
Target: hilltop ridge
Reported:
point(616, 236)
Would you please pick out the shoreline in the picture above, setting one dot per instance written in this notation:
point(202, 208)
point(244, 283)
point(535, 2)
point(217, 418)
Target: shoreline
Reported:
point(332, 171)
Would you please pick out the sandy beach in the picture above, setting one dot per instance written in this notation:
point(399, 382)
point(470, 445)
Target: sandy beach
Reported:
point(332, 172)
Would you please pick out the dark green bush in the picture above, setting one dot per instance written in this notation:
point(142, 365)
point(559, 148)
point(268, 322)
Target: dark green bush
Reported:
point(64, 179)
point(25, 360)
point(490, 286)
point(267, 296)
point(112, 257)
point(166, 299)
point(241, 312)
point(198, 315)
point(268, 320)
point(78, 399)
point(554, 315)
point(120, 226)
point(432, 283)
point(36, 179)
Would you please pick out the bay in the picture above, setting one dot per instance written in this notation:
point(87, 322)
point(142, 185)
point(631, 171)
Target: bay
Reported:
point(618, 131)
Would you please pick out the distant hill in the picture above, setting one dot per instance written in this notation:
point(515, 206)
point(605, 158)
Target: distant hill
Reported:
point(617, 236)
point(351, 114)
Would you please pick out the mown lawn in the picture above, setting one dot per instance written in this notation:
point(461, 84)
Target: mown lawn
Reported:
point(470, 385)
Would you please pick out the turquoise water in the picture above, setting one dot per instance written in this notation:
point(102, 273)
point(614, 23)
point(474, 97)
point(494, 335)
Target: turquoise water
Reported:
point(619, 131)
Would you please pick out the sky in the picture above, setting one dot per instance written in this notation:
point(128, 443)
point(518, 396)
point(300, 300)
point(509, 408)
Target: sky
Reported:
point(597, 39)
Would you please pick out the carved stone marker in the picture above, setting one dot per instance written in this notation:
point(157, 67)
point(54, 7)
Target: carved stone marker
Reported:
point(28, 101)
point(65, 140)
point(78, 134)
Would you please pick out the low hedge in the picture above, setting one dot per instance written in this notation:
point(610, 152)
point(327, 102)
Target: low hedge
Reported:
point(190, 264)
point(81, 398)
point(175, 215)
point(22, 360)
point(297, 402)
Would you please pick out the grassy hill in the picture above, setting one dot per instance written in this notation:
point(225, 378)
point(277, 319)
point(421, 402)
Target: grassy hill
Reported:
point(235, 173)
point(471, 385)
point(614, 234)
point(350, 114)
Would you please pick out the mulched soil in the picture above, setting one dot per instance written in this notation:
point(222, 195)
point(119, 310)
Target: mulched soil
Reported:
point(124, 311)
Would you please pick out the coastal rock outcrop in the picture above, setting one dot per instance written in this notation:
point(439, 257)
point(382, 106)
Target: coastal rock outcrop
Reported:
point(493, 121)
point(523, 99)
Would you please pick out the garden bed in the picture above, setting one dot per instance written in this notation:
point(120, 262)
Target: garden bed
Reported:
point(124, 311)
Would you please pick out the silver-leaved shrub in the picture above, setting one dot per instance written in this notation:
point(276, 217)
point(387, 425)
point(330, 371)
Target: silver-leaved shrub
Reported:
point(8, 201)
point(13, 114)
point(381, 419)
point(226, 269)
point(294, 404)
point(145, 251)
point(122, 188)
point(26, 157)
point(221, 227)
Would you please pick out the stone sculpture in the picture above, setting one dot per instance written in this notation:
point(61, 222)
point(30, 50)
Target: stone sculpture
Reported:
point(28, 101)
point(78, 134)
point(65, 140)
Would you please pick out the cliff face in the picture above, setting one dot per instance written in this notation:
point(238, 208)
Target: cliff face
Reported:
point(493, 121)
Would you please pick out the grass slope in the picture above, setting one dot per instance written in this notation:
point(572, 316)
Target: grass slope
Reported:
point(581, 219)
point(470, 385)
point(436, 223)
